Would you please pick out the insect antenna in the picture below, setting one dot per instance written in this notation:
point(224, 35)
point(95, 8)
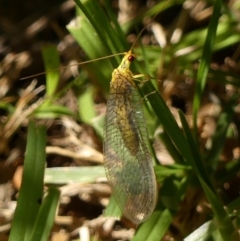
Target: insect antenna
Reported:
point(71, 65)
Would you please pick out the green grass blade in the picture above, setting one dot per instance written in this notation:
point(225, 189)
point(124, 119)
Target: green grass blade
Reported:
point(86, 106)
point(171, 148)
point(116, 25)
point(112, 209)
point(66, 175)
point(31, 191)
point(162, 172)
point(7, 107)
point(93, 45)
point(53, 111)
point(155, 227)
point(205, 60)
point(167, 120)
point(224, 223)
point(46, 216)
point(107, 33)
point(196, 162)
point(51, 62)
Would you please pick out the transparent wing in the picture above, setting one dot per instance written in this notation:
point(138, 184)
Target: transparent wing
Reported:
point(127, 158)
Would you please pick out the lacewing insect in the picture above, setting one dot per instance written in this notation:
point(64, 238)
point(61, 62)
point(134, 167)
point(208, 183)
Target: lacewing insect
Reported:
point(127, 157)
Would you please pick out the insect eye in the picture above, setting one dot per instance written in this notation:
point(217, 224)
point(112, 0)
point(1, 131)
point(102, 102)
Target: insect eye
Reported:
point(131, 58)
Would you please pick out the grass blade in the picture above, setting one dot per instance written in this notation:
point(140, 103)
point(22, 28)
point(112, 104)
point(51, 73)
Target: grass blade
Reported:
point(51, 62)
point(224, 223)
point(45, 218)
point(32, 185)
point(205, 60)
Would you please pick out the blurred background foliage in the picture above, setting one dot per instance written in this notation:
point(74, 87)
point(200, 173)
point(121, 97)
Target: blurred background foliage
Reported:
point(191, 51)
